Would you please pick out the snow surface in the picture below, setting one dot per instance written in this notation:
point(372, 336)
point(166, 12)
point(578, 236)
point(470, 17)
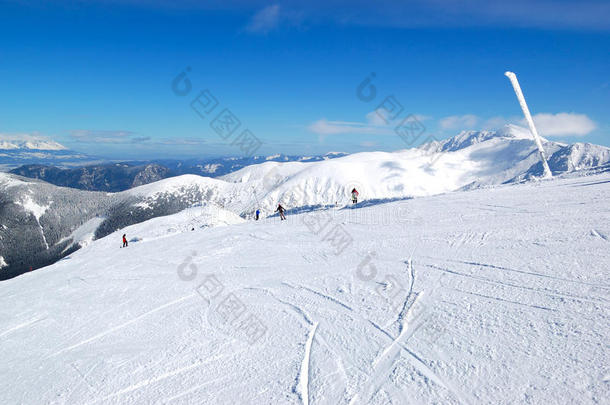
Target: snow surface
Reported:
point(485, 296)
point(84, 234)
point(189, 220)
point(36, 209)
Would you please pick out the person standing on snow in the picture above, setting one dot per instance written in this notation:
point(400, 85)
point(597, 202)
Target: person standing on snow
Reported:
point(354, 196)
point(125, 240)
point(258, 213)
point(281, 210)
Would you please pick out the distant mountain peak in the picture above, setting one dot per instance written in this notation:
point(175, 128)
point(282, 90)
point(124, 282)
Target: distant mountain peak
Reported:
point(28, 142)
point(515, 131)
point(472, 137)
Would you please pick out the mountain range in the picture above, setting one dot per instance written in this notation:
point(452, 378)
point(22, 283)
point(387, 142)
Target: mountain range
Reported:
point(41, 223)
point(121, 176)
point(28, 149)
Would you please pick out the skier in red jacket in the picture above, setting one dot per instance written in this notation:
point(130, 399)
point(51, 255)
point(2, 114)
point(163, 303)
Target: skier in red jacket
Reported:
point(355, 196)
point(124, 240)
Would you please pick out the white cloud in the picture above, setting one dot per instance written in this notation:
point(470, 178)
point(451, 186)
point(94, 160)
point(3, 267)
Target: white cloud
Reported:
point(377, 117)
point(467, 121)
point(325, 127)
point(368, 144)
point(265, 20)
point(548, 125)
point(494, 123)
point(377, 123)
point(563, 124)
point(106, 137)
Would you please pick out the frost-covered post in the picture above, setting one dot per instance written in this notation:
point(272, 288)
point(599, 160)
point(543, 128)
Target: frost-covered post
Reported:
point(530, 122)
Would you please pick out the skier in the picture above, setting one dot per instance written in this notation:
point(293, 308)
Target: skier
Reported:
point(258, 213)
point(124, 240)
point(281, 210)
point(354, 196)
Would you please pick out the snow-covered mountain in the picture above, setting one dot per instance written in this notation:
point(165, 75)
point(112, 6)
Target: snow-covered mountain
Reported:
point(469, 160)
point(120, 176)
point(215, 167)
point(488, 296)
point(30, 143)
point(17, 150)
point(104, 177)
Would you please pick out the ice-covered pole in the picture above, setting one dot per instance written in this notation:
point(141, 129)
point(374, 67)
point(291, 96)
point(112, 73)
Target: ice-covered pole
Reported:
point(530, 122)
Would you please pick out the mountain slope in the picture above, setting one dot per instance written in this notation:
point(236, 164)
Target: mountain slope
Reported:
point(215, 167)
point(108, 177)
point(122, 176)
point(41, 223)
point(487, 296)
point(469, 160)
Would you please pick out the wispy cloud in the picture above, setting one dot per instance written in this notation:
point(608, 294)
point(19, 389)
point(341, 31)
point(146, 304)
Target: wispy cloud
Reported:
point(545, 14)
point(563, 124)
point(467, 121)
point(547, 124)
point(377, 123)
point(106, 136)
point(325, 127)
point(265, 20)
point(185, 142)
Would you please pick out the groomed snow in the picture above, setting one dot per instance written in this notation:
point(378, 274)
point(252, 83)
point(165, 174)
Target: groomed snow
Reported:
point(503, 299)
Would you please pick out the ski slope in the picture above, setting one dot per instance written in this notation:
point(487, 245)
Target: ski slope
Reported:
point(488, 296)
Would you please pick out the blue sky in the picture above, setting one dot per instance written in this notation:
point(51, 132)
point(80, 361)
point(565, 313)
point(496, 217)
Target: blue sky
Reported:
point(97, 75)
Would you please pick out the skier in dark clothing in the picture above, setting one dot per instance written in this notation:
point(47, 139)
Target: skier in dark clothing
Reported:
point(354, 196)
point(258, 213)
point(281, 210)
point(124, 240)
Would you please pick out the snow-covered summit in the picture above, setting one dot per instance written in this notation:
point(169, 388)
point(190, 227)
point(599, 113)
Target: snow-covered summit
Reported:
point(28, 142)
point(469, 138)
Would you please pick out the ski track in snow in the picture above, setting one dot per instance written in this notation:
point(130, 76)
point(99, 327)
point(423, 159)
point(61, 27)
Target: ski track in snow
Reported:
point(600, 235)
point(325, 296)
point(402, 315)
point(304, 374)
point(599, 285)
point(382, 365)
point(21, 325)
point(123, 325)
point(148, 381)
point(545, 291)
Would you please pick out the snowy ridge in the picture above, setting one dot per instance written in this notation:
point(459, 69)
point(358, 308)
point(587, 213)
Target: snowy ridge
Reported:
point(470, 159)
point(30, 144)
